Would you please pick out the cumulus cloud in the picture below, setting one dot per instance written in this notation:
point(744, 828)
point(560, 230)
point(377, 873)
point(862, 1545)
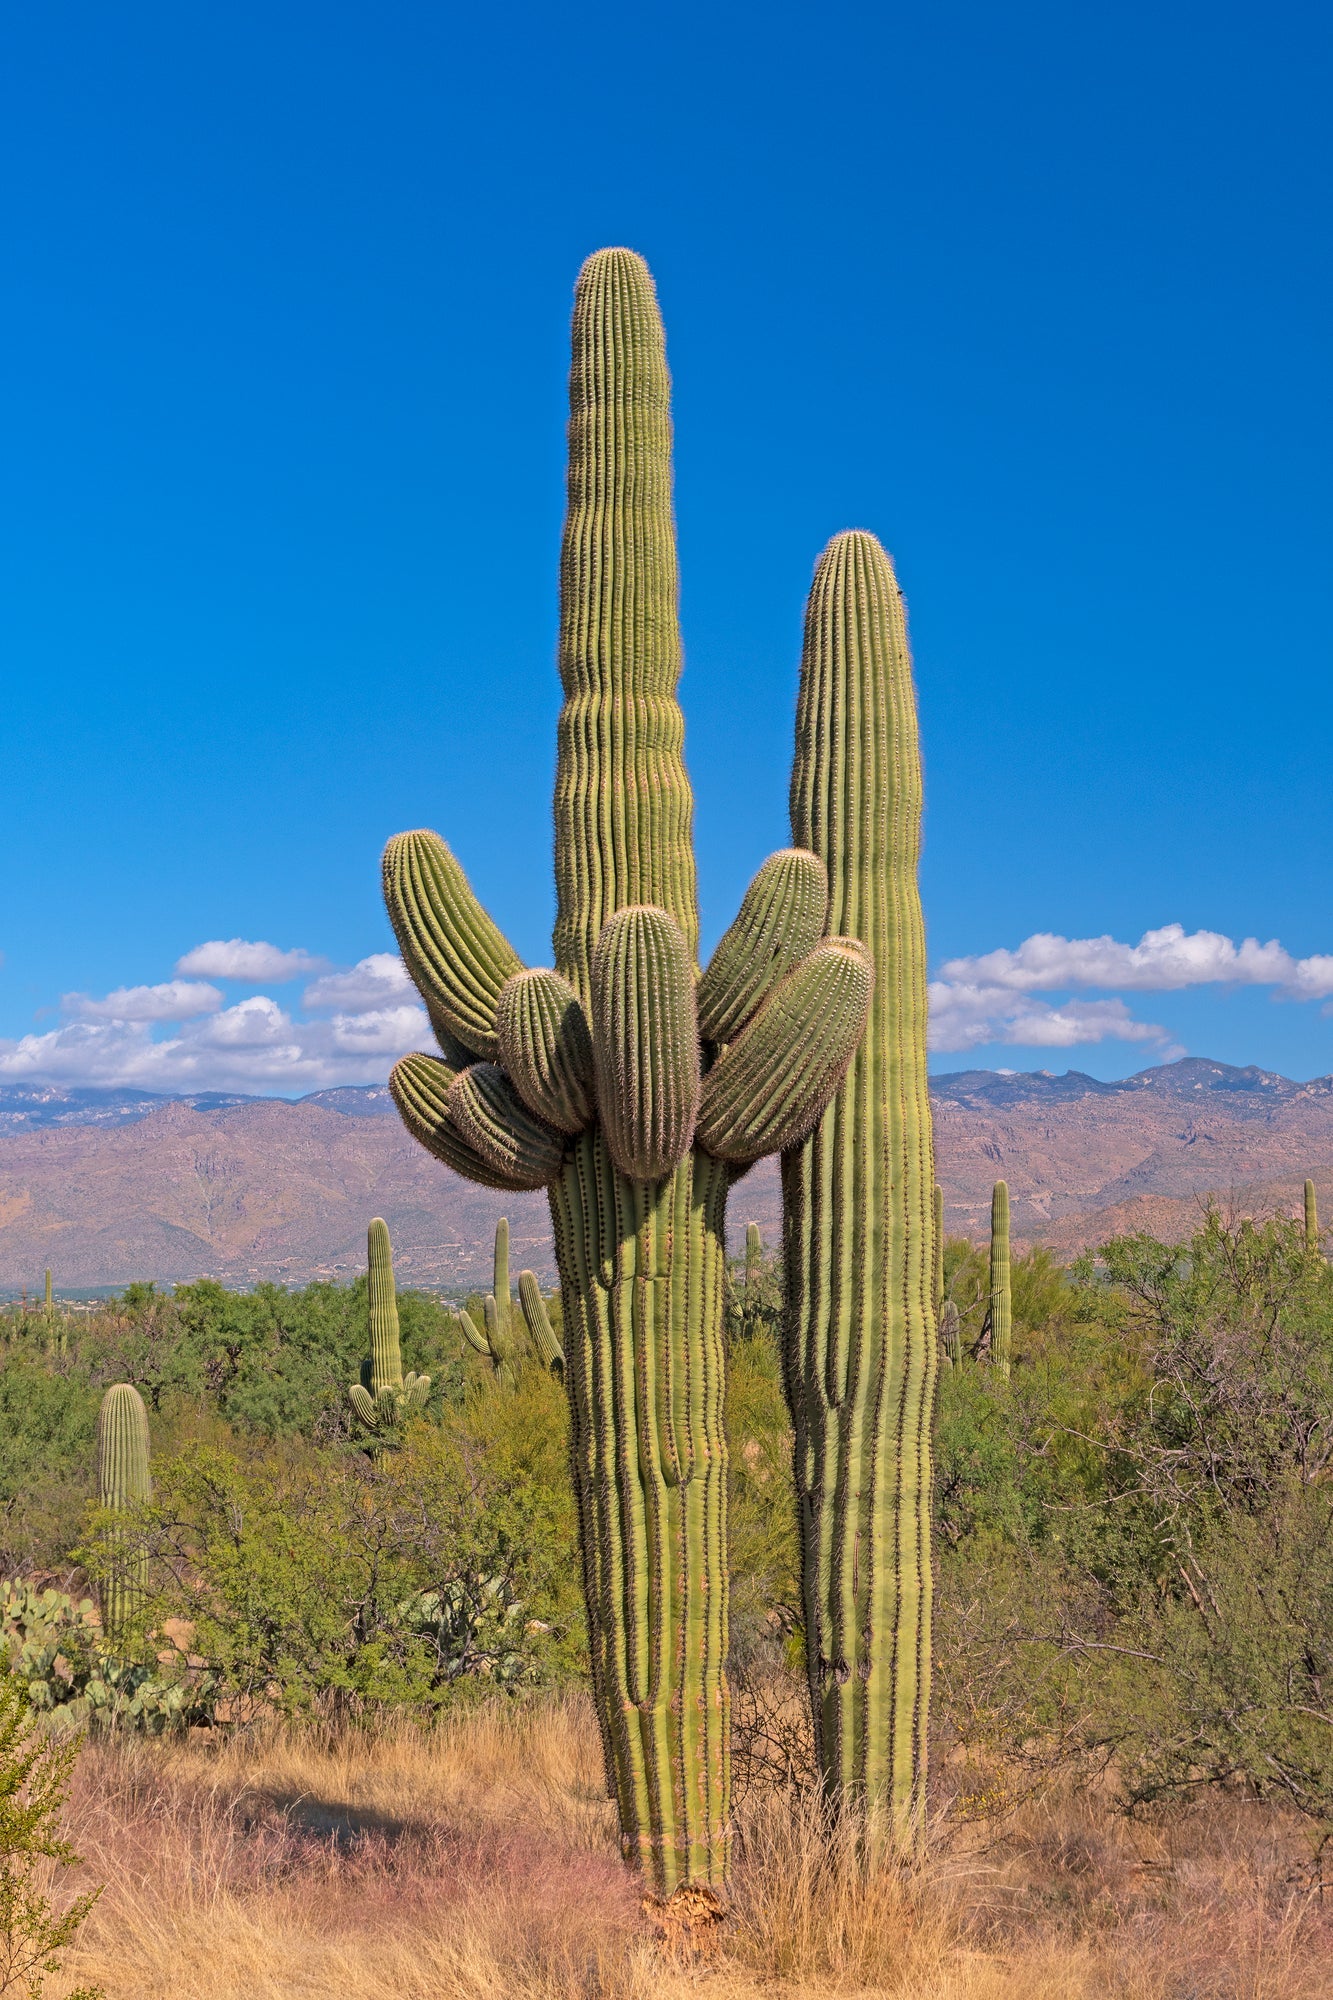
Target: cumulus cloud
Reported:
point(254, 1047)
point(1162, 961)
point(174, 1000)
point(255, 964)
point(970, 1016)
point(372, 984)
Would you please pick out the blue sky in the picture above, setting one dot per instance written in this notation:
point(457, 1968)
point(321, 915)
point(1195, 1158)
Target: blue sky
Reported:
point(1040, 294)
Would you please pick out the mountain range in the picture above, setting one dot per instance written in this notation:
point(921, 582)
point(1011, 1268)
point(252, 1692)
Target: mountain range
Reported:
point(106, 1186)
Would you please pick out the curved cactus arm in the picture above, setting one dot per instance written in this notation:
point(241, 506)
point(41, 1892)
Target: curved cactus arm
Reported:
point(364, 1405)
point(645, 1040)
point(781, 918)
point(419, 1086)
point(549, 1351)
point(770, 1087)
point(453, 951)
point(416, 1388)
point(546, 1047)
point(484, 1106)
point(472, 1335)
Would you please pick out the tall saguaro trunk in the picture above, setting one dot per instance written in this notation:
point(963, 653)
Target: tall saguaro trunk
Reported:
point(861, 1354)
point(640, 1262)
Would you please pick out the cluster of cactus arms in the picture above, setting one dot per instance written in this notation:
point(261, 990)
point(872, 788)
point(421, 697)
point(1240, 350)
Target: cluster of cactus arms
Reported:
point(998, 1332)
point(123, 1481)
point(384, 1399)
point(633, 1089)
point(1311, 1217)
point(495, 1338)
point(860, 1350)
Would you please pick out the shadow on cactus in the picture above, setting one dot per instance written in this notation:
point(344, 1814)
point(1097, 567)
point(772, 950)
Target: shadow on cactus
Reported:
point(495, 1339)
point(385, 1400)
point(633, 1089)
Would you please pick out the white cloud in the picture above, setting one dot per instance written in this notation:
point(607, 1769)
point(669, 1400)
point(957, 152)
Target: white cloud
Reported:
point(1162, 961)
point(973, 1016)
point(174, 1000)
point(237, 958)
point(254, 1046)
point(373, 983)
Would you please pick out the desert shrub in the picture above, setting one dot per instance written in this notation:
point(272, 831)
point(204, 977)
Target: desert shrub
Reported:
point(35, 1772)
point(48, 1426)
point(310, 1577)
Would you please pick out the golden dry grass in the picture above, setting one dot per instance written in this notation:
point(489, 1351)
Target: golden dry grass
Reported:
point(478, 1862)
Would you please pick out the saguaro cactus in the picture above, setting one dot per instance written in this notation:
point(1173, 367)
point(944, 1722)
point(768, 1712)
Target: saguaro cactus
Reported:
point(861, 1354)
point(1000, 1312)
point(385, 1398)
point(1311, 1217)
point(631, 1089)
point(495, 1338)
point(123, 1481)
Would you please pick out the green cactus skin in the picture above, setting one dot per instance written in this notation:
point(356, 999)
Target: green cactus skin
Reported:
point(483, 1105)
point(781, 918)
point(769, 1087)
point(860, 1351)
point(938, 1241)
point(645, 1042)
point(542, 1334)
point(951, 1335)
point(1001, 1311)
point(50, 1301)
point(546, 1047)
point(123, 1480)
point(1311, 1219)
point(385, 1399)
point(637, 1200)
point(754, 1254)
point(495, 1338)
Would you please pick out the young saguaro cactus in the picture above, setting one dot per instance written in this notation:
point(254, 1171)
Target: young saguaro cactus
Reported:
point(1311, 1217)
point(1000, 1312)
point(385, 1398)
point(632, 1089)
point(495, 1338)
point(123, 1481)
point(861, 1355)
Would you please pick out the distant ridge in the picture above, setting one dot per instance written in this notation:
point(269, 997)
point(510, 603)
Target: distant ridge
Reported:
point(110, 1185)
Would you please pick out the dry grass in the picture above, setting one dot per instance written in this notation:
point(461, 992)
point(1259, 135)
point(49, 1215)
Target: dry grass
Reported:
point(479, 1861)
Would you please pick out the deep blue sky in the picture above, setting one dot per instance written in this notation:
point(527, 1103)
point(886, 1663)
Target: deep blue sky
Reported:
point(1041, 294)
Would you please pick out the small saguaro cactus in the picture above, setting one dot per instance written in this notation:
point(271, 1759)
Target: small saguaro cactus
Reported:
point(384, 1399)
point(634, 1089)
point(861, 1351)
point(1000, 1310)
point(1311, 1217)
point(496, 1338)
point(123, 1481)
point(951, 1334)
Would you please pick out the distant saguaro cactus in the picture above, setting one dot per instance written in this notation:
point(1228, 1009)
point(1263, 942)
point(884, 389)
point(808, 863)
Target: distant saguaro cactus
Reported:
point(496, 1338)
point(632, 1089)
point(1000, 1312)
point(862, 1355)
point(384, 1399)
point(123, 1481)
point(1311, 1217)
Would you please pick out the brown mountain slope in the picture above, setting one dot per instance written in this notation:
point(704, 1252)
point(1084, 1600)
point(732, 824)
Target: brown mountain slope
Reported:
point(243, 1190)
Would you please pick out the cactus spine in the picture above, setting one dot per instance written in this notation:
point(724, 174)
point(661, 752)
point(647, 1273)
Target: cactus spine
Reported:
point(592, 1083)
point(384, 1398)
point(123, 1481)
point(861, 1354)
point(1000, 1316)
point(1311, 1218)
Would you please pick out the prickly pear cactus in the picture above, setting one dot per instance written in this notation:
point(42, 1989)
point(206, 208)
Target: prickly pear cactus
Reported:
point(632, 1089)
point(385, 1399)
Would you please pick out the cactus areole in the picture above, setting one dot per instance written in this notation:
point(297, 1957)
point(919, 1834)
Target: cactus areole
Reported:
point(860, 1353)
point(632, 1090)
